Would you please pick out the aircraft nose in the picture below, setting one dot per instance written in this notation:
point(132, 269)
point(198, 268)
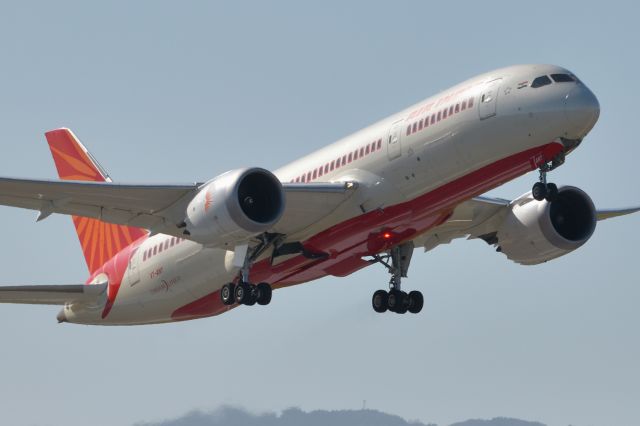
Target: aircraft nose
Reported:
point(582, 111)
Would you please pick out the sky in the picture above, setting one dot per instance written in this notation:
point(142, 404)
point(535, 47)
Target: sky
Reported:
point(166, 92)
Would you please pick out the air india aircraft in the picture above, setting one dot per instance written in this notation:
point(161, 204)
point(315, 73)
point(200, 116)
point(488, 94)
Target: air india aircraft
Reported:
point(162, 253)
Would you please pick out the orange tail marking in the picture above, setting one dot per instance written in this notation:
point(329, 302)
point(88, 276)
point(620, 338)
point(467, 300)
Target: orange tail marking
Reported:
point(99, 240)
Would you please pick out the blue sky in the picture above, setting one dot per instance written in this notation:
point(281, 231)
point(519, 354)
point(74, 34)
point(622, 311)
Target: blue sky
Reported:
point(168, 92)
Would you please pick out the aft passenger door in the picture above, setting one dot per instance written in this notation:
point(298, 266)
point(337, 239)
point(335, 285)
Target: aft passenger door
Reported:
point(489, 99)
point(394, 147)
point(134, 268)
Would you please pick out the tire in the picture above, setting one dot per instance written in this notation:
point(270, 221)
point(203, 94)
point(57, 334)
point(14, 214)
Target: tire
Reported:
point(394, 300)
point(416, 302)
point(242, 293)
point(539, 191)
point(379, 301)
point(404, 303)
point(552, 192)
point(227, 294)
point(263, 292)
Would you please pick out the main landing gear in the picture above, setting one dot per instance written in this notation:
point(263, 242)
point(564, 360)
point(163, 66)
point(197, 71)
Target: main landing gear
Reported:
point(396, 300)
point(244, 292)
point(547, 191)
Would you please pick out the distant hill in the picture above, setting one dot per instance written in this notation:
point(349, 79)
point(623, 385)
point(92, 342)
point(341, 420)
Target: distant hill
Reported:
point(230, 416)
point(498, 421)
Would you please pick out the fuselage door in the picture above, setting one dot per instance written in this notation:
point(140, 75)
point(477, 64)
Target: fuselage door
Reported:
point(394, 147)
point(134, 268)
point(489, 99)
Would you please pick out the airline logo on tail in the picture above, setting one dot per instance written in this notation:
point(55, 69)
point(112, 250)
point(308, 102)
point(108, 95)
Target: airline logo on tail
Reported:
point(100, 241)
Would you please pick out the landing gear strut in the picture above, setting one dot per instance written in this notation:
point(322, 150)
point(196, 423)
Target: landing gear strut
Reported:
point(547, 191)
point(244, 292)
point(396, 300)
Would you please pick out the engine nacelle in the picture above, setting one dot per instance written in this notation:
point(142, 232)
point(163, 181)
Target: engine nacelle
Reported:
point(537, 231)
point(235, 206)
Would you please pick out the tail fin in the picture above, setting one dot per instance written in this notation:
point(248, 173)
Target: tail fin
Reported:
point(100, 241)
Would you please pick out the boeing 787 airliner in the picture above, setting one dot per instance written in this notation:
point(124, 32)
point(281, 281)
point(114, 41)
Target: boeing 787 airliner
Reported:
point(161, 253)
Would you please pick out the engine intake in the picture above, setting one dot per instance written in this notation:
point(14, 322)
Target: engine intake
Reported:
point(537, 231)
point(235, 206)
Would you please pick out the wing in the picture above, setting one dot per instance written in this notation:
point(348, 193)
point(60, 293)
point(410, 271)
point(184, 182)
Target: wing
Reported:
point(158, 208)
point(480, 218)
point(52, 294)
point(307, 203)
point(143, 206)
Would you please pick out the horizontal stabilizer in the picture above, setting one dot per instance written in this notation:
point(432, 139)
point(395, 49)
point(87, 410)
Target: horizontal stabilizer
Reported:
point(52, 294)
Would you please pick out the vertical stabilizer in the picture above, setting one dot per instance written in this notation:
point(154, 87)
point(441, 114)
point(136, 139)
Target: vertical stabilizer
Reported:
point(100, 241)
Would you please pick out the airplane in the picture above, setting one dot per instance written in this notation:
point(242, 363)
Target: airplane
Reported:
point(164, 253)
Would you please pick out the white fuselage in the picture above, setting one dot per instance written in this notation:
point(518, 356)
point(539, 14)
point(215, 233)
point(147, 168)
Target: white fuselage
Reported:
point(414, 152)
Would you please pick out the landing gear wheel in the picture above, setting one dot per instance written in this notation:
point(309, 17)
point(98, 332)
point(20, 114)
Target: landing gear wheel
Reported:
point(252, 297)
point(416, 301)
point(242, 293)
point(539, 191)
point(379, 301)
point(552, 192)
point(263, 294)
point(403, 307)
point(227, 294)
point(394, 300)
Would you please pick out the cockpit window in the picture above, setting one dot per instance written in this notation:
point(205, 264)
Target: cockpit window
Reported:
point(543, 80)
point(562, 78)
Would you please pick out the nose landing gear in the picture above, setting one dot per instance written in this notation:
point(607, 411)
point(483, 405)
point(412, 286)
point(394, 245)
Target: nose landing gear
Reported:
point(396, 300)
point(547, 191)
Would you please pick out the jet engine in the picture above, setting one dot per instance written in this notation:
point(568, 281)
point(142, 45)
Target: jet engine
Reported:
point(534, 232)
point(234, 206)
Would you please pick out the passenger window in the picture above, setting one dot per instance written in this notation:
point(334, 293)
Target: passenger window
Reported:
point(355, 154)
point(366, 151)
point(315, 174)
point(444, 114)
point(379, 143)
point(408, 129)
point(361, 152)
point(155, 249)
point(160, 248)
point(451, 110)
point(373, 147)
point(166, 244)
point(464, 105)
point(543, 80)
point(457, 108)
point(470, 103)
point(414, 128)
point(420, 124)
point(326, 168)
point(562, 78)
point(319, 171)
point(433, 118)
point(309, 177)
point(344, 160)
point(350, 158)
point(173, 241)
point(332, 165)
point(439, 115)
